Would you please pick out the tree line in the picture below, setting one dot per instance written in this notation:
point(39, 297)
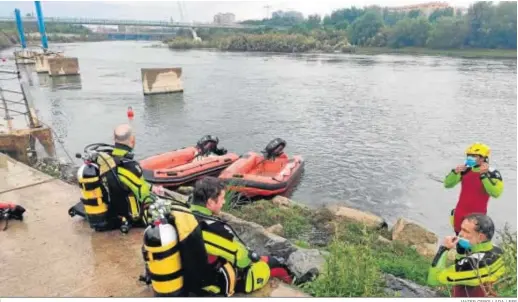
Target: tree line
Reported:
point(485, 25)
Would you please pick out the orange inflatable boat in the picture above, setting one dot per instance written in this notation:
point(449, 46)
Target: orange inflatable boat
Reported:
point(266, 174)
point(174, 168)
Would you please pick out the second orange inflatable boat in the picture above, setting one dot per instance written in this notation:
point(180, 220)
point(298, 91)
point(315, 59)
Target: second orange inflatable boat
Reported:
point(266, 174)
point(174, 168)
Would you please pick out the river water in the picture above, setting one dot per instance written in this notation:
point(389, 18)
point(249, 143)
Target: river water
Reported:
point(375, 130)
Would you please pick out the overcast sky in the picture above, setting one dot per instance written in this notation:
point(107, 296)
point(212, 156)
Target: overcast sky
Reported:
point(202, 11)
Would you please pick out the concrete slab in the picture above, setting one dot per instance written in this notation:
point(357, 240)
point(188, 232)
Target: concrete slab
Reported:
point(50, 254)
point(161, 80)
point(63, 66)
point(15, 175)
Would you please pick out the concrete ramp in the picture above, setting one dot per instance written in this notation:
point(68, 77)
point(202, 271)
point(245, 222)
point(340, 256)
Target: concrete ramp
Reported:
point(161, 80)
point(63, 66)
point(50, 254)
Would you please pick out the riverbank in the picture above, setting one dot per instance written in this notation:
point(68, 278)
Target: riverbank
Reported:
point(11, 40)
point(461, 53)
point(329, 236)
point(363, 250)
point(294, 43)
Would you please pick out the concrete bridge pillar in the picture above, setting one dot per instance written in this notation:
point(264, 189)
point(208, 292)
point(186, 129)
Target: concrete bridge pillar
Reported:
point(63, 66)
point(161, 80)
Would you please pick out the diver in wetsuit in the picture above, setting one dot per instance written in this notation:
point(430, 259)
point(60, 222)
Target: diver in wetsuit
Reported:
point(478, 262)
point(478, 181)
point(238, 269)
point(129, 193)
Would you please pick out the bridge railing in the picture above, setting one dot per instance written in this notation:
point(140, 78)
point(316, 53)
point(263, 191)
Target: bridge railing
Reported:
point(94, 21)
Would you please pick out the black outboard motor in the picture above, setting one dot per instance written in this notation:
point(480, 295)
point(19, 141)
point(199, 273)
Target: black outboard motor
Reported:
point(208, 144)
point(274, 148)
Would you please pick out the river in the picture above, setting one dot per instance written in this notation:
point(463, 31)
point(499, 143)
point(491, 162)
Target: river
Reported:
point(375, 130)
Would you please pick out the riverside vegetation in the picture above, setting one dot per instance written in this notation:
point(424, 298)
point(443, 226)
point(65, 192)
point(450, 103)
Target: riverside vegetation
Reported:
point(486, 30)
point(60, 33)
point(358, 255)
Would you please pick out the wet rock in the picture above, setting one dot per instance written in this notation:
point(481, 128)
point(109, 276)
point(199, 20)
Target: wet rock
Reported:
point(426, 250)
point(358, 216)
point(185, 190)
point(281, 201)
point(276, 229)
point(323, 216)
point(410, 233)
point(407, 289)
point(303, 261)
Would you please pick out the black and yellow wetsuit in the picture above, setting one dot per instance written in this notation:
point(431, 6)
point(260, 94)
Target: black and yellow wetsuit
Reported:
point(230, 258)
point(472, 270)
point(129, 193)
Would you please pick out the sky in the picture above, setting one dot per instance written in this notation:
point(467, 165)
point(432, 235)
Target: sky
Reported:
point(199, 11)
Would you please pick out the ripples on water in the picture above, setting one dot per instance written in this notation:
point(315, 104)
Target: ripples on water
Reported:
point(371, 128)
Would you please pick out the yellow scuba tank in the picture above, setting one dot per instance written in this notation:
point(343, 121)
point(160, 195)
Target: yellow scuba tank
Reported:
point(162, 256)
point(174, 252)
point(93, 195)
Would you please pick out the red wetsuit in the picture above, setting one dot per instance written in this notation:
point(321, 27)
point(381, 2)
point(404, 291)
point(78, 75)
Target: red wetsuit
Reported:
point(473, 198)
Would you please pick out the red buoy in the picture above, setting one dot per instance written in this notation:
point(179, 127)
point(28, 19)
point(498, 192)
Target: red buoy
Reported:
point(130, 113)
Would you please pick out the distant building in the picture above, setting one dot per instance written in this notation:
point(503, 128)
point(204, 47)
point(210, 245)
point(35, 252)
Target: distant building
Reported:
point(426, 8)
point(224, 18)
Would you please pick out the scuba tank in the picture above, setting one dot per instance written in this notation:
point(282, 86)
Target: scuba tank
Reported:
point(161, 255)
point(93, 196)
point(174, 251)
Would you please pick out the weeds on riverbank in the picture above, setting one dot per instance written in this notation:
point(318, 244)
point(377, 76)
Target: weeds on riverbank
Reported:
point(507, 286)
point(357, 257)
point(268, 42)
point(297, 43)
point(350, 271)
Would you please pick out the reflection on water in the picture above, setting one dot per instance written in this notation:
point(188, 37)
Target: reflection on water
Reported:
point(69, 82)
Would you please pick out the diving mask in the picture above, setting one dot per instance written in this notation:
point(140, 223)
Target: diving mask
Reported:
point(470, 161)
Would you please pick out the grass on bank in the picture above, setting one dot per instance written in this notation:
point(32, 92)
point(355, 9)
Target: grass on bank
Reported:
point(357, 259)
point(463, 53)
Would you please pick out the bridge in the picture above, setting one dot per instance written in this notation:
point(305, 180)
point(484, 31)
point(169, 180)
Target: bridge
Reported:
point(150, 23)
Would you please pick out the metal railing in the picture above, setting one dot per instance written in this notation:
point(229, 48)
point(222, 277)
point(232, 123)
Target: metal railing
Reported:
point(93, 21)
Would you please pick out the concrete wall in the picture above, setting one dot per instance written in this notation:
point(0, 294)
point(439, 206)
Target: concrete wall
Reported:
point(61, 66)
point(42, 63)
point(19, 142)
point(161, 80)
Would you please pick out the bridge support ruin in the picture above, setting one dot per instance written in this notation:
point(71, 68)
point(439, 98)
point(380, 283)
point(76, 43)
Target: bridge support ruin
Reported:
point(161, 80)
point(63, 66)
point(21, 143)
point(56, 64)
